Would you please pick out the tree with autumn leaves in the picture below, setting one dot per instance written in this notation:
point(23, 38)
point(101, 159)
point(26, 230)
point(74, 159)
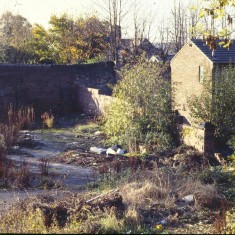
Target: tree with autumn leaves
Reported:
point(215, 24)
point(66, 41)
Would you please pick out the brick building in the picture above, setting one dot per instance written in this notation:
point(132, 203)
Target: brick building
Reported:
point(189, 67)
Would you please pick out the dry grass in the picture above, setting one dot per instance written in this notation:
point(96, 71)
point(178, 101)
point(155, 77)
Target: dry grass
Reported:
point(47, 120)
point(11, 176)
point(70, 214)
point(111, 224)
point(133, 219)
point(163, 187)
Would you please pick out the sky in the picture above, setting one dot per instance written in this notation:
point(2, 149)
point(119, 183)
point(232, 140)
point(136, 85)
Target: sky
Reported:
point(39, 11)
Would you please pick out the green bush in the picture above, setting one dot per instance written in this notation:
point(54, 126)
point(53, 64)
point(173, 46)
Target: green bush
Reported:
point(140, 114)
point(217, 103)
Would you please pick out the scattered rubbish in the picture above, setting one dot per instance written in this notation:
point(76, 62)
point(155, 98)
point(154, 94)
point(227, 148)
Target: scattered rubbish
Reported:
point(102, 195)
point(111, 151)
point(98, 150)
point(16, 147)
point(115, 150)
point(98, 133)
point(188, 198)
point(163, 222)
point(71, 144)
point(120, 151)
point(143, 149)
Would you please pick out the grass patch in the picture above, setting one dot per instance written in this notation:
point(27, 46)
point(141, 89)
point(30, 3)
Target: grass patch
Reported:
point(86, 129)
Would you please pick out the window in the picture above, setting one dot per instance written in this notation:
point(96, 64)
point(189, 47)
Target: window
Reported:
point(201, 74)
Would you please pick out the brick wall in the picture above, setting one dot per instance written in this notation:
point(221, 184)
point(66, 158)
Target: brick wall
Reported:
point(185, 84)
point(201, 138)
point(185, 77)
point(50, 86)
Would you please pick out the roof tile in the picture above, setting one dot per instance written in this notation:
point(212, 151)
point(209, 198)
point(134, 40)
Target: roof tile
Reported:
point(221, 55)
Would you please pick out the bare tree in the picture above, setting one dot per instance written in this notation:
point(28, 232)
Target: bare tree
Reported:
point(164, 40)
point(115, 11)
point(179, 32)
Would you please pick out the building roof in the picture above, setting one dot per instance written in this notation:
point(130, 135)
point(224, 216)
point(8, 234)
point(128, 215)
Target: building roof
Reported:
point(221, 55)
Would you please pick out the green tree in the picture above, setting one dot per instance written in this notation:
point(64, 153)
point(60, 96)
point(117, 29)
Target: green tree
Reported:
point(216, 104)
point(63, 39)
point(140, 114)
point(42, 45)
point(15, 39)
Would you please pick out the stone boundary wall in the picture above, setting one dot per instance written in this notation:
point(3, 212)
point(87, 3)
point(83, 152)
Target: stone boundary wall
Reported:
point(201, 138)
point(50, 86)
point(92, 101)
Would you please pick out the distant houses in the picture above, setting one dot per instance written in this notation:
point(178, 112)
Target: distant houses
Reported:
point(128, 48)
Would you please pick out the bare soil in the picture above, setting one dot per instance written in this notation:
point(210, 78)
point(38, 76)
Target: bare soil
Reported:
point(73, 165)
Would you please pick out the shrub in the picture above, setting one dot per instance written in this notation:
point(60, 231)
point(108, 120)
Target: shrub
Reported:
point(225, 222)
point(9, 131)
point(2, 148)
point(217, 103)
point(47, 120)
point(140, 114)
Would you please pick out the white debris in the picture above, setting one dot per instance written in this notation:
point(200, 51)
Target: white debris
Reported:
point(111, 151)
point(98, 133)
point(16, 147)
point(120, 151)
point(97, 150)
point(163, 222)
point(115, 150)
point(188, 198)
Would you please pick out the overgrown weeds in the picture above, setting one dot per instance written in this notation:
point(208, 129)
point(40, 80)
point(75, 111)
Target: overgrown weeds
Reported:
point(224, 221)
point(47, 120)
point(44, 167)
point(10, 175)
point(145, 198)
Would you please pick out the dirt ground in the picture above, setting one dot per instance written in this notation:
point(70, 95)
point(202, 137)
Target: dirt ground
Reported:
point(66, 148)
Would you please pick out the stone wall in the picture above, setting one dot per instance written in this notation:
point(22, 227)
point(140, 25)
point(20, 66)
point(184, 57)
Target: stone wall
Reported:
point(185, 77)
point(92, 101)
point(192, 136)
point(51, 86)
point(200, 137)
